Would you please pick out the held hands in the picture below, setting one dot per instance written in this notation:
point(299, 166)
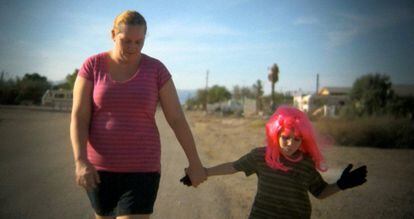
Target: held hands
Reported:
point(198, 178)
point(86, 175)
point(186, 180)
point(353, 178)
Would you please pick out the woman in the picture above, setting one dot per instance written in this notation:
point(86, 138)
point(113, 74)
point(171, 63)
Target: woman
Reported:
point(114, 136)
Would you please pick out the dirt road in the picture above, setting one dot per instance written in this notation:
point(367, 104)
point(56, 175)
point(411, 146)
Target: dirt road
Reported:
point(37, 173)
point(37, 168)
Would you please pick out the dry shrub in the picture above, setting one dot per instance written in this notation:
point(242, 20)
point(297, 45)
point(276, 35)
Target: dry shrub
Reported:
point(380, 132)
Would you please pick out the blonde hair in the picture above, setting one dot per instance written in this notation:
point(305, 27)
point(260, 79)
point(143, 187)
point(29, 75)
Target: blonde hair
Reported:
point(128, 18)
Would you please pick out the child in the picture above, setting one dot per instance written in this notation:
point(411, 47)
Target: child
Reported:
point(287, 168)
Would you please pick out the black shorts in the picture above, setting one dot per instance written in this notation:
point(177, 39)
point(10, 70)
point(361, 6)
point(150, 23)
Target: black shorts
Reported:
point(124, 193)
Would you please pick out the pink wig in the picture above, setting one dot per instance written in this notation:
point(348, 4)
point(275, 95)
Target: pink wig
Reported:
point(287, 119)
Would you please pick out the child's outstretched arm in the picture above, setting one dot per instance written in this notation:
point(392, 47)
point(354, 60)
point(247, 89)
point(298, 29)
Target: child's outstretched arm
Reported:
point(348, 179)
point(328, 191)
point(221, 169)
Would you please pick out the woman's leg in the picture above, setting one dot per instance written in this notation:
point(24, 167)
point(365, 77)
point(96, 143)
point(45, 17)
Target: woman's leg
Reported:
point(105, 196)
point(135, 216)
point(139, 194)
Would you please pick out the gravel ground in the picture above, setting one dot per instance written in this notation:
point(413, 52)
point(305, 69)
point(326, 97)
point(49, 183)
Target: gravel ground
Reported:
point(389, 192)
point(37, 166)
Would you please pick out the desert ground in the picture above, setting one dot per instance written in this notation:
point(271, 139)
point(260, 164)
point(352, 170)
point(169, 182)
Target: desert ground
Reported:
point(38, 172)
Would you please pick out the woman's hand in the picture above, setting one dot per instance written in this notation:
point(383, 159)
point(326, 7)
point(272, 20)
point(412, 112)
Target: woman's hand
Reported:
point(197, 174)
point(86, 175)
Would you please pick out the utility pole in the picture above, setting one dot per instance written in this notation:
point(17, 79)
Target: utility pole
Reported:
point(317, 84)
point(206, 99)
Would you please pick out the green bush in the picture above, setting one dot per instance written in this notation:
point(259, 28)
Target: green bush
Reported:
point(380, 132)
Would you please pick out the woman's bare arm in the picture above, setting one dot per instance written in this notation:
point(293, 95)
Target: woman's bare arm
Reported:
point(176, 119)
point(86, 175)
point(80, 117)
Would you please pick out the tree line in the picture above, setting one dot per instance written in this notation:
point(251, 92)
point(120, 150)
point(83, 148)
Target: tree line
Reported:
point(373, 95)
point(217, 94)
point(30, 88)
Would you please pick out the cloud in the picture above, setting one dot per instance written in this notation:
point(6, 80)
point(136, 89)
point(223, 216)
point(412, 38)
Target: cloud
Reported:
point(341, 37)
point(175, 29)
point(188, 40)
point(229, 4)
point(351, 25)
point(57, 56)
point(305, 21)
point(179, 49)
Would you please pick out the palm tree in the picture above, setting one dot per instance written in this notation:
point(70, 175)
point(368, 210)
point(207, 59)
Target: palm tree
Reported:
point(273, 78)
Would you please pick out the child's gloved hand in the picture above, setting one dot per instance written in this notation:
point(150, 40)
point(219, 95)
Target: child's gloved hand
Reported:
point(353, 178)
point(186, 180)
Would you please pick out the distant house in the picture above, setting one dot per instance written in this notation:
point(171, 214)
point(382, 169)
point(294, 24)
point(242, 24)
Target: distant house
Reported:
point(250, 107)
point(301, 101)
point(334, 91)
point(226, 107)
point(327, 102)
point(58, 99)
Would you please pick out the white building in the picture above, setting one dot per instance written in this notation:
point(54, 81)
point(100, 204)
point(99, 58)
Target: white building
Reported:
point(58, 99)
point(327, 102)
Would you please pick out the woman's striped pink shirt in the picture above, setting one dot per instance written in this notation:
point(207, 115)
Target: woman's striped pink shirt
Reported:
point(123, 135)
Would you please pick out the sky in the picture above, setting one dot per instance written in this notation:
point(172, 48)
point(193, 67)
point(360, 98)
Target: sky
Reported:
point(236, 41)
